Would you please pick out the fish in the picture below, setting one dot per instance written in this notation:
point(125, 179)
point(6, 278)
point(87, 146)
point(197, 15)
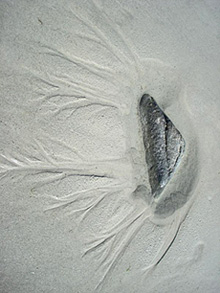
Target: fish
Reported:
point(163, 143)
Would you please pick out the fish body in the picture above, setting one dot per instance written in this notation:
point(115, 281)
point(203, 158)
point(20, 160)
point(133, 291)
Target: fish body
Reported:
point(164, 145)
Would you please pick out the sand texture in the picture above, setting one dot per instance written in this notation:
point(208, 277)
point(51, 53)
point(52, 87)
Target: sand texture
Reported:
point(103, 190)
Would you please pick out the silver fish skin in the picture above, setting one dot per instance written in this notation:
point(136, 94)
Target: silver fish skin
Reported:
point(164, 145)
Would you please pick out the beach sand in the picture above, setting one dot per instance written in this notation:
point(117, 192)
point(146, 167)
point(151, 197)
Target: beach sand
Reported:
point(76, 212)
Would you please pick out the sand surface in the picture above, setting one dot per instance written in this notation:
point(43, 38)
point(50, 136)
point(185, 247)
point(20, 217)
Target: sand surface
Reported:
point(72, 74)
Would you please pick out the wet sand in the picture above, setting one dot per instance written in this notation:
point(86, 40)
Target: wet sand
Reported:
point(76, 204)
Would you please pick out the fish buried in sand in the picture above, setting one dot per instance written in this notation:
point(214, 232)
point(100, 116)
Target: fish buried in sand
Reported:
point(163, 143)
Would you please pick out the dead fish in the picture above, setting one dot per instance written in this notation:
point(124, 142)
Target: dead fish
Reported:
point(164, 145)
